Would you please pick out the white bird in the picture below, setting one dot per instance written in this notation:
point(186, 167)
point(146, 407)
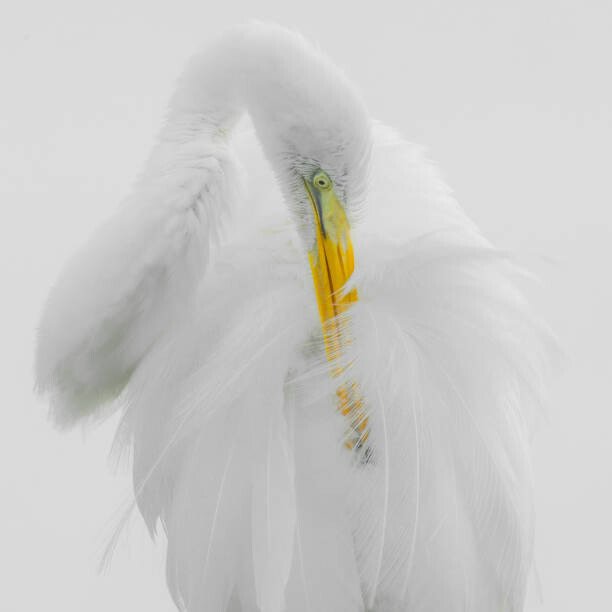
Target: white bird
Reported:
point(328, 377)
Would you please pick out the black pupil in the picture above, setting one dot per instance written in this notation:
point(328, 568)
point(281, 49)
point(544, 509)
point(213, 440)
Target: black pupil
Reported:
point(321, 182)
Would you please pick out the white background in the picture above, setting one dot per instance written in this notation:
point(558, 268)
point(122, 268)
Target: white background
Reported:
point(513, 100)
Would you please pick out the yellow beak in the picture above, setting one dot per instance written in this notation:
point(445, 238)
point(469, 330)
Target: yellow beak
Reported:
point(331, 259)
point(332, 264)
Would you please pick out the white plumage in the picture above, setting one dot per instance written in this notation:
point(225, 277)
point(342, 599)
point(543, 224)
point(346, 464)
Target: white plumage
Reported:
point(194, 305)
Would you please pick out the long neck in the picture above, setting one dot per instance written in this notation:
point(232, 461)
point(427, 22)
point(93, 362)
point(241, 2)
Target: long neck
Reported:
point(295, 99)
point(192, 165)
point(235, 75)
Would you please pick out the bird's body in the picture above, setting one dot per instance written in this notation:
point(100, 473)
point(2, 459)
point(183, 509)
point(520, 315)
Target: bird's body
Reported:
point(372, 459)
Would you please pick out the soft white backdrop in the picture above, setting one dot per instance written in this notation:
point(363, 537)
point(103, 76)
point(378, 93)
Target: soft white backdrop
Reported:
point(513, 99)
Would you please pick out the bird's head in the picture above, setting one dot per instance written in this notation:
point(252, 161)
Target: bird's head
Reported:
point(317, 136)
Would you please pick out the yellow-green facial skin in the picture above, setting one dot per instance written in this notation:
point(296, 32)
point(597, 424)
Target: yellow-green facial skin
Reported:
point(329, 210)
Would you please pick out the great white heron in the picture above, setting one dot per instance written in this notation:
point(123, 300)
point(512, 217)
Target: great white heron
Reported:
point(327, 376)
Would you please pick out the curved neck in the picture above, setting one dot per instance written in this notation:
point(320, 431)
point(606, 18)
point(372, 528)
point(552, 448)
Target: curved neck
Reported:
point(305, 114)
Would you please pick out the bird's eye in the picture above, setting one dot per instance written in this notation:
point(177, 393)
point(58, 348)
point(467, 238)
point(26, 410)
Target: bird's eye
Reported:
point(321, 181)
